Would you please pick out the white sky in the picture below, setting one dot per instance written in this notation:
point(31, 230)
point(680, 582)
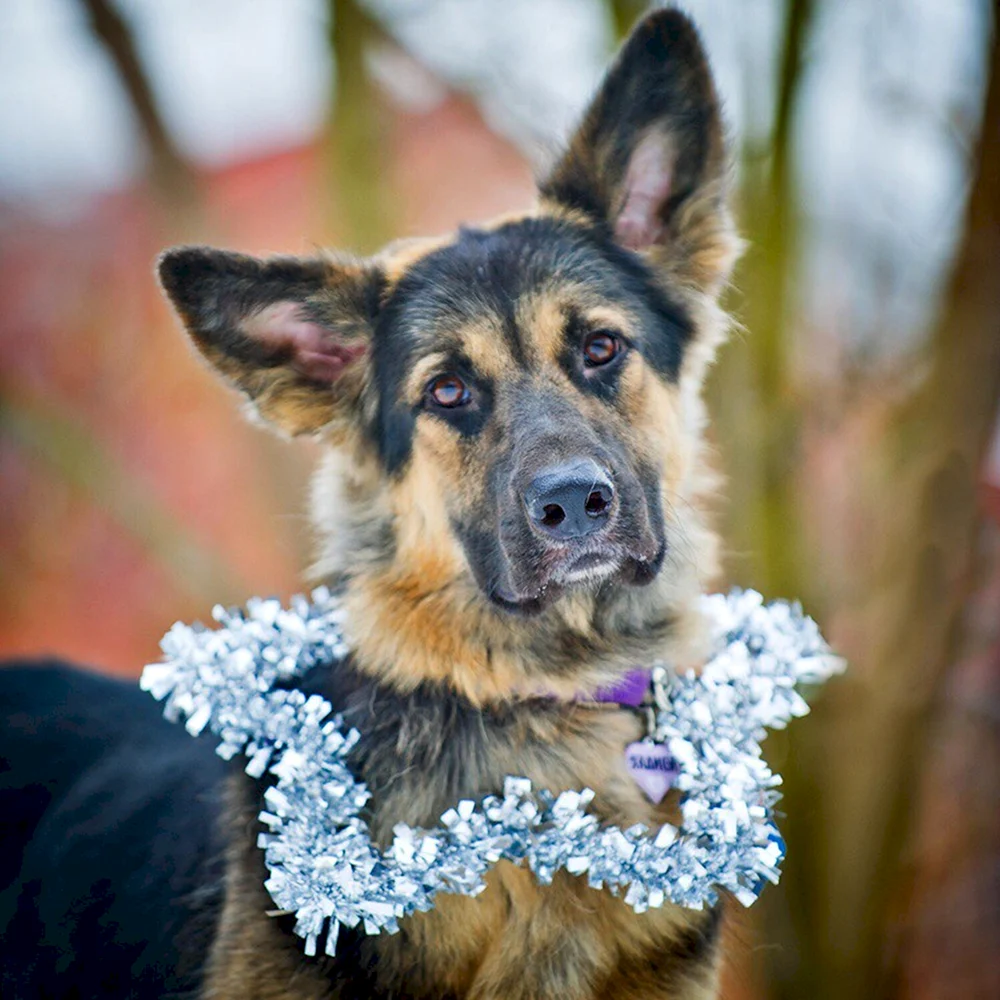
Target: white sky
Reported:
point(232, 77)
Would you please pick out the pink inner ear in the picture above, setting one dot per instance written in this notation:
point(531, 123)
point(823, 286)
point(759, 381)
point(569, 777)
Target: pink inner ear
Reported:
point(315, 352)
point(647, 187)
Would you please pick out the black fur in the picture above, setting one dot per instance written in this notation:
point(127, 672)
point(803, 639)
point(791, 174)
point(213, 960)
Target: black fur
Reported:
point(109, 839)
point(215, 290)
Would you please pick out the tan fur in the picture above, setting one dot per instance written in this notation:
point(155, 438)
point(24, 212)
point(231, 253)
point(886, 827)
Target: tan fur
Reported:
point(247, 960)
point(399, 256)
point(544, 314)
point(483, 345)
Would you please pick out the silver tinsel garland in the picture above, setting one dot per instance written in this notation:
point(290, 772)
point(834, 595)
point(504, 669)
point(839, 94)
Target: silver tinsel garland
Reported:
point(323, 865)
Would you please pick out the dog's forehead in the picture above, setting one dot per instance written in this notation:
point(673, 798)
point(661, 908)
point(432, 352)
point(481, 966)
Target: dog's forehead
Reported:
point(503, 295)
point(504, 290)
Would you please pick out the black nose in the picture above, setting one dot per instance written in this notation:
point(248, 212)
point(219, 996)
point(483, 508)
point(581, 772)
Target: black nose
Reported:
point(570, 501)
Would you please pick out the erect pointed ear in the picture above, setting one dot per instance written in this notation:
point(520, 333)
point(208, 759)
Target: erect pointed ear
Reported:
point(294, 334)
point(649, 159)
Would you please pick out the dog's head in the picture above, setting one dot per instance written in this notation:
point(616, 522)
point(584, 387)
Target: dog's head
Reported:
point(514, 407)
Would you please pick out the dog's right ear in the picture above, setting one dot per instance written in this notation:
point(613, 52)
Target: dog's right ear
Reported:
point(292, 333)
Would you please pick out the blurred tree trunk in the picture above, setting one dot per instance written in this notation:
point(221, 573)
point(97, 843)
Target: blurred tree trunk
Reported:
point(914, 607)
point(623, 14)
point(756, 419)
point(356, 138)
point(170, 171)
point(751, 381)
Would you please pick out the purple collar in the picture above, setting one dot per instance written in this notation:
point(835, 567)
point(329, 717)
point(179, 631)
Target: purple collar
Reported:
point(630, 690)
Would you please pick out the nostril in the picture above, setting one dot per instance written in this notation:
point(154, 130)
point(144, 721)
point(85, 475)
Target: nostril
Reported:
point(596, 504)
point(570, 501)
point(553, 515)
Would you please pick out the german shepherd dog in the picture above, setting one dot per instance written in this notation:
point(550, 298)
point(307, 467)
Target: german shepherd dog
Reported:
point(513, 506)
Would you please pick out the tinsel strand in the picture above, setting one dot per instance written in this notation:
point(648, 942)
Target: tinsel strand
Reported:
point(321, 861)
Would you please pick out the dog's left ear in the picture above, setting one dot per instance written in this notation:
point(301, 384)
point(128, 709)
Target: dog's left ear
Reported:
point(649, 159)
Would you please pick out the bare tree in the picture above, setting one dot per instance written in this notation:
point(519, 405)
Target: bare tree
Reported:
point(170, 170)
point(357, 135)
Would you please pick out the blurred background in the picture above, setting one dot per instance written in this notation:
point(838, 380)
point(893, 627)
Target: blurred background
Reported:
point(855, 411)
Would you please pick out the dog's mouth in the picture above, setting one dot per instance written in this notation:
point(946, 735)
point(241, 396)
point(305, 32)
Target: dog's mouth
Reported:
point(589, 567)
point(577, 570)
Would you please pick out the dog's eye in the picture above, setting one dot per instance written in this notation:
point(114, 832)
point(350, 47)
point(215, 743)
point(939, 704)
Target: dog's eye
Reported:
point(448, 391)
point(600, 347)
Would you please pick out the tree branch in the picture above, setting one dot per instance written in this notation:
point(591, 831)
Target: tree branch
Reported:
point(170, 170)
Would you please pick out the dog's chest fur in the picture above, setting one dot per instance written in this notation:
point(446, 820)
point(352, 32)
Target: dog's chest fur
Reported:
point(420, 753)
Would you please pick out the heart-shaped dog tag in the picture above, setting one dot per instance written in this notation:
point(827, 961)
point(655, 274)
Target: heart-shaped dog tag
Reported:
point(652, 768)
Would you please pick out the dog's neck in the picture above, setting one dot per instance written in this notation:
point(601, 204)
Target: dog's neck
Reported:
point(407, 631)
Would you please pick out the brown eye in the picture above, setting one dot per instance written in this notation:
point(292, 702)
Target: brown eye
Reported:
point(448, 391)
point(600, 347)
